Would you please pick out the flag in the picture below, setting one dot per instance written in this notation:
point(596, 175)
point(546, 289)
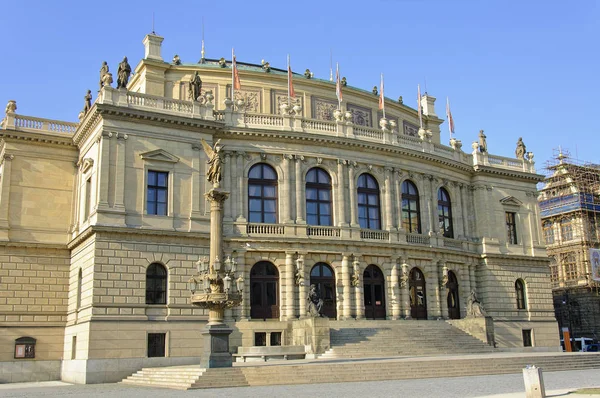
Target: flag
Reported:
point(381, 99)
point(236, 76)
point(419, 110)
point(449, 116)
point(338, 84)
point(291, 92)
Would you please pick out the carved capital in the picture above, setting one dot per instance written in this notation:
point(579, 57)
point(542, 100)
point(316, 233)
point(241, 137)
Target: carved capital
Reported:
point(319, 160)
point(240, 153)
point(388, 169)
point(299, 158)
point(8, 156)
point(352, 164)
point(121, 136)
point(287, 156)
point(341, 161)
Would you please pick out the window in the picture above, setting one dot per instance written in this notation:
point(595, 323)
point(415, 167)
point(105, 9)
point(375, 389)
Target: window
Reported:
point(566, 230)
point(88, 198)
point(264, 288)
point(156, 344)
point(411, 221)
point(156, 201)
point(275, 338)
point(548, 232)
point(511, 227)
point(262, 194)
point(318, 197)
point(569, 263)
point(322, 276)
point(445, 213)
point(527, 342)
point(156, 284)
point(25, 347)
point(368, 202)
point(520, 291)
point(260, 339)
point(553, 270)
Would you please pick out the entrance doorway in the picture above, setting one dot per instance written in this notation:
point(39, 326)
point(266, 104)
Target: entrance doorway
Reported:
point(323, 278)
point(418, 298)
point(374, 288)
point(264, 288)
point(453, 300)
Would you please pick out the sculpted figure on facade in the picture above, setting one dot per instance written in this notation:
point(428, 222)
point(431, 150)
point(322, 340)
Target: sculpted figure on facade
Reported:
point(123, 73)
point(521, 150)
point(103, 73)
point(315, 302)
point(215, 162)
point(474, 307)
point(195, 86)
point(87, 101)
point(11, 107)
point(482, 142)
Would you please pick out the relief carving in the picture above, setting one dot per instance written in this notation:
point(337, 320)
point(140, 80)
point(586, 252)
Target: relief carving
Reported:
point(412, 130)
point(251, 98)
point(323, 109)
point(279, 98)
point(360, 116)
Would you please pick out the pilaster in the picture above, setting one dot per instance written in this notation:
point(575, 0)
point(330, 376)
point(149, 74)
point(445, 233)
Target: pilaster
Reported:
point(103, 170)
point(346, 287)
point(302, 287)
point(289, 283)
point(286, 189)
point(352, 193)
point(5, 195)
point(242, 202)
point(389, 213)
point(359, 301)
point(300, 202)
point(341, 194)
point(119, 203)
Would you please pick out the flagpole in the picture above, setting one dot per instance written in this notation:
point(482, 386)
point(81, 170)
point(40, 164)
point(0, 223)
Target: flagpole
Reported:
point(232, 75)
point(419, 106)
point(330, 65)
point(288, 73)
point(202, 51)
point(338, 85)
point(448, 116)
point(382, 97)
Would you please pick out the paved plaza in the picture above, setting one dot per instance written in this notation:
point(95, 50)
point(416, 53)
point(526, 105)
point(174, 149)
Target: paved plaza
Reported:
point(557, 384)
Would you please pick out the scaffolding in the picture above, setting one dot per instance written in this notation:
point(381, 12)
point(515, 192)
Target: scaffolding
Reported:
point(570, 212)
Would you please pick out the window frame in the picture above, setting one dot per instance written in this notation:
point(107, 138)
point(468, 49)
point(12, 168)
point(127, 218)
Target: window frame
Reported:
point(367, 192)
point(166, 189)
point(510, 217)
point(548, 228)
point(566, 230)
point(445, 213)
point(165, 348)
point(521, 294)
point(262, 183)
point(318, 187)
point(164, 284)
point(406, 195)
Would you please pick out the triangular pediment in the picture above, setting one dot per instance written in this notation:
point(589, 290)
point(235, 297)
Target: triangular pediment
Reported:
point(510, 201)
point(159, 155)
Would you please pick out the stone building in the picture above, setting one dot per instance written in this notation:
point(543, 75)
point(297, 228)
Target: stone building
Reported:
point(570, 211)
point(103, 222)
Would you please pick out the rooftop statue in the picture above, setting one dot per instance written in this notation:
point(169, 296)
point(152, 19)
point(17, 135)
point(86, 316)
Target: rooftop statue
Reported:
point(123, 73)
point(195, 86)
point(214, 160)
point(482, 142)
point(521, 150)
point(375, 92)
point(103, 73)
point(87, 102)
point(176, 60)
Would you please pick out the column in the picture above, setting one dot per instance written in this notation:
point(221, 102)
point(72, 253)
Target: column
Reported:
point(465, 209)
point(244, 308)
point(395, 283)
point(389, 213)
point(290, 283)
point(286, 191)
point(216, 198)
point(302, 287)
point(359, 301)
point(464, 280)
point(405, 289)
point(196, 195)
point(341, 196)
point(242, 198)
point(458, 215)
point(398, 197)
point(235, 193)
point(227, 185)
point(346, 288)
point(352, 194)
point(443, 290)
point(436, 307)
point(300, 202)
point(434, 213)
point(425, 203)
point(103, 170)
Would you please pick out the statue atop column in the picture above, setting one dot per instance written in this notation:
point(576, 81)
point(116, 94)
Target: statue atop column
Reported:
point(315, 302)
point(123, 73)
point(521, 150)
point(482, 142)
point(195, 86)
point(215, 162)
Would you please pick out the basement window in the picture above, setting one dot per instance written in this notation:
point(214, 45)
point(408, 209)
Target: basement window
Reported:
point(25, 347)
point(527, 342)
point(260, 339)
point(156, 344)
point(275, 338)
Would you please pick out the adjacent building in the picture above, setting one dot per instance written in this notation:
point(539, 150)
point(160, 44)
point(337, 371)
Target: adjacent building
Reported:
point(104, 222)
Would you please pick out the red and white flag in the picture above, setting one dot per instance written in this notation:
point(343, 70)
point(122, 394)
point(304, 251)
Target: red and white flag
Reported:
point(419, 110)
point(449, 116)
point(338, 84)
point(235, 74)
point(291, 92)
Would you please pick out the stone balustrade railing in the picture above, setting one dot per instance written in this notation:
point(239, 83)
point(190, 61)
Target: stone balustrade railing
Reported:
point(321, 231)
point(12, 121)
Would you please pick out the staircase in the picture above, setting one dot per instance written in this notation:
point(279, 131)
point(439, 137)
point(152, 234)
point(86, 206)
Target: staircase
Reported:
point(377, 339)
point(186, 377)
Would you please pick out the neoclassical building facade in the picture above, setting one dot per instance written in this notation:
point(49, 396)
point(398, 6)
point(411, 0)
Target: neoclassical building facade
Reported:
point(104, 222)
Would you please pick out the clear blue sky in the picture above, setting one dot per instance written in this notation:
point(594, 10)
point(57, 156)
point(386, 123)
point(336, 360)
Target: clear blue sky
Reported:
point(513, 68)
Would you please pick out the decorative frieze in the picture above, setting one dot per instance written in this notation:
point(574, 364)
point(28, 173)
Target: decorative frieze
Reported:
point(322, 109)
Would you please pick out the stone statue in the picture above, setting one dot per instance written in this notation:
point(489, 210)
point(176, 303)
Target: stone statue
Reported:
point(344, 81)
point(400, 100)
point(107, 80)
point(176, 60)
point(123, 73)
point(375, 92)
point(87, 102)
point(482, 142)
point(195, 86)
point(474, 307)
point(103, 73)
point(11, 107)
point(315, 302)
point(520, 151)
point(307, 74)
point(214, 160)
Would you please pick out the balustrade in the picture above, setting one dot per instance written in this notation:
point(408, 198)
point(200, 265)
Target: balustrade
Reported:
point(318, 231)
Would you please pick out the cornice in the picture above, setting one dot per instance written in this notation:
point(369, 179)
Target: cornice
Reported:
point(509, 173)
point(43, 138)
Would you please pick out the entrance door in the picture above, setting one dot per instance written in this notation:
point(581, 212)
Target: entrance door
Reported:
point(373, 283)
point(453, 303)
point(418, 298)
point(323, 278)
point(264, 288)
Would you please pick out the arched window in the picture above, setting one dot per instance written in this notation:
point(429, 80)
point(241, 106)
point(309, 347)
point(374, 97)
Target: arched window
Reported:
point(445, 213)
point(411, 220)
point(262, 194)
point(264, 288)
point(548, 232)
point(156, 284)
point(323, 278)
point(520, 291)
point(553, 269)
point(368, 202)
point(318, 197)
point(453, 296)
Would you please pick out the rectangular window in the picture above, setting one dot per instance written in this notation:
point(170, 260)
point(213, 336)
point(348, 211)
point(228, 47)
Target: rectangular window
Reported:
point(275, 338)
point(156, 344)
point(74, 347)
point(566, 230)
point(156, 195)
point(260, 339)
point(511, 227)
point(88, 197)
point(527, 338)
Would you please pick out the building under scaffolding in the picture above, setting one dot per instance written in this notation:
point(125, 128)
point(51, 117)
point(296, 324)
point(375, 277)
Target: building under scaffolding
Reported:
point(570, 212)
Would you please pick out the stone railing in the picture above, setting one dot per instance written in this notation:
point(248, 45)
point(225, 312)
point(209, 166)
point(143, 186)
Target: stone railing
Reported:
point(326, 232)
point(265, 229)
point(418, 239)
point(453, 243)
point(505, 162)
point(266, 120)
point(318, 125)
point(374, 234)
point(161, 103)
point(368, 132)
point(12, 121)
point(219, 116)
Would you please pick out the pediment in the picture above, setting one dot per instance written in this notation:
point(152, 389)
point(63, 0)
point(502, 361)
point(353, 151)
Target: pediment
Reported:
point(511, 201)
point(159, 155)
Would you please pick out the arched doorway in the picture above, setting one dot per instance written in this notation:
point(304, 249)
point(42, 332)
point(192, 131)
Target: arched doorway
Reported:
point(453, 298)
point(264, 291)
point(418, 298)
point(323, 277)
point(374, 299)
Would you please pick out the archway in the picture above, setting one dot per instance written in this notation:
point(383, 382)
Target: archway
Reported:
point(374, 288)
point(453, 297)
point(323, 277)
point(418, 297)
point(264, 291)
